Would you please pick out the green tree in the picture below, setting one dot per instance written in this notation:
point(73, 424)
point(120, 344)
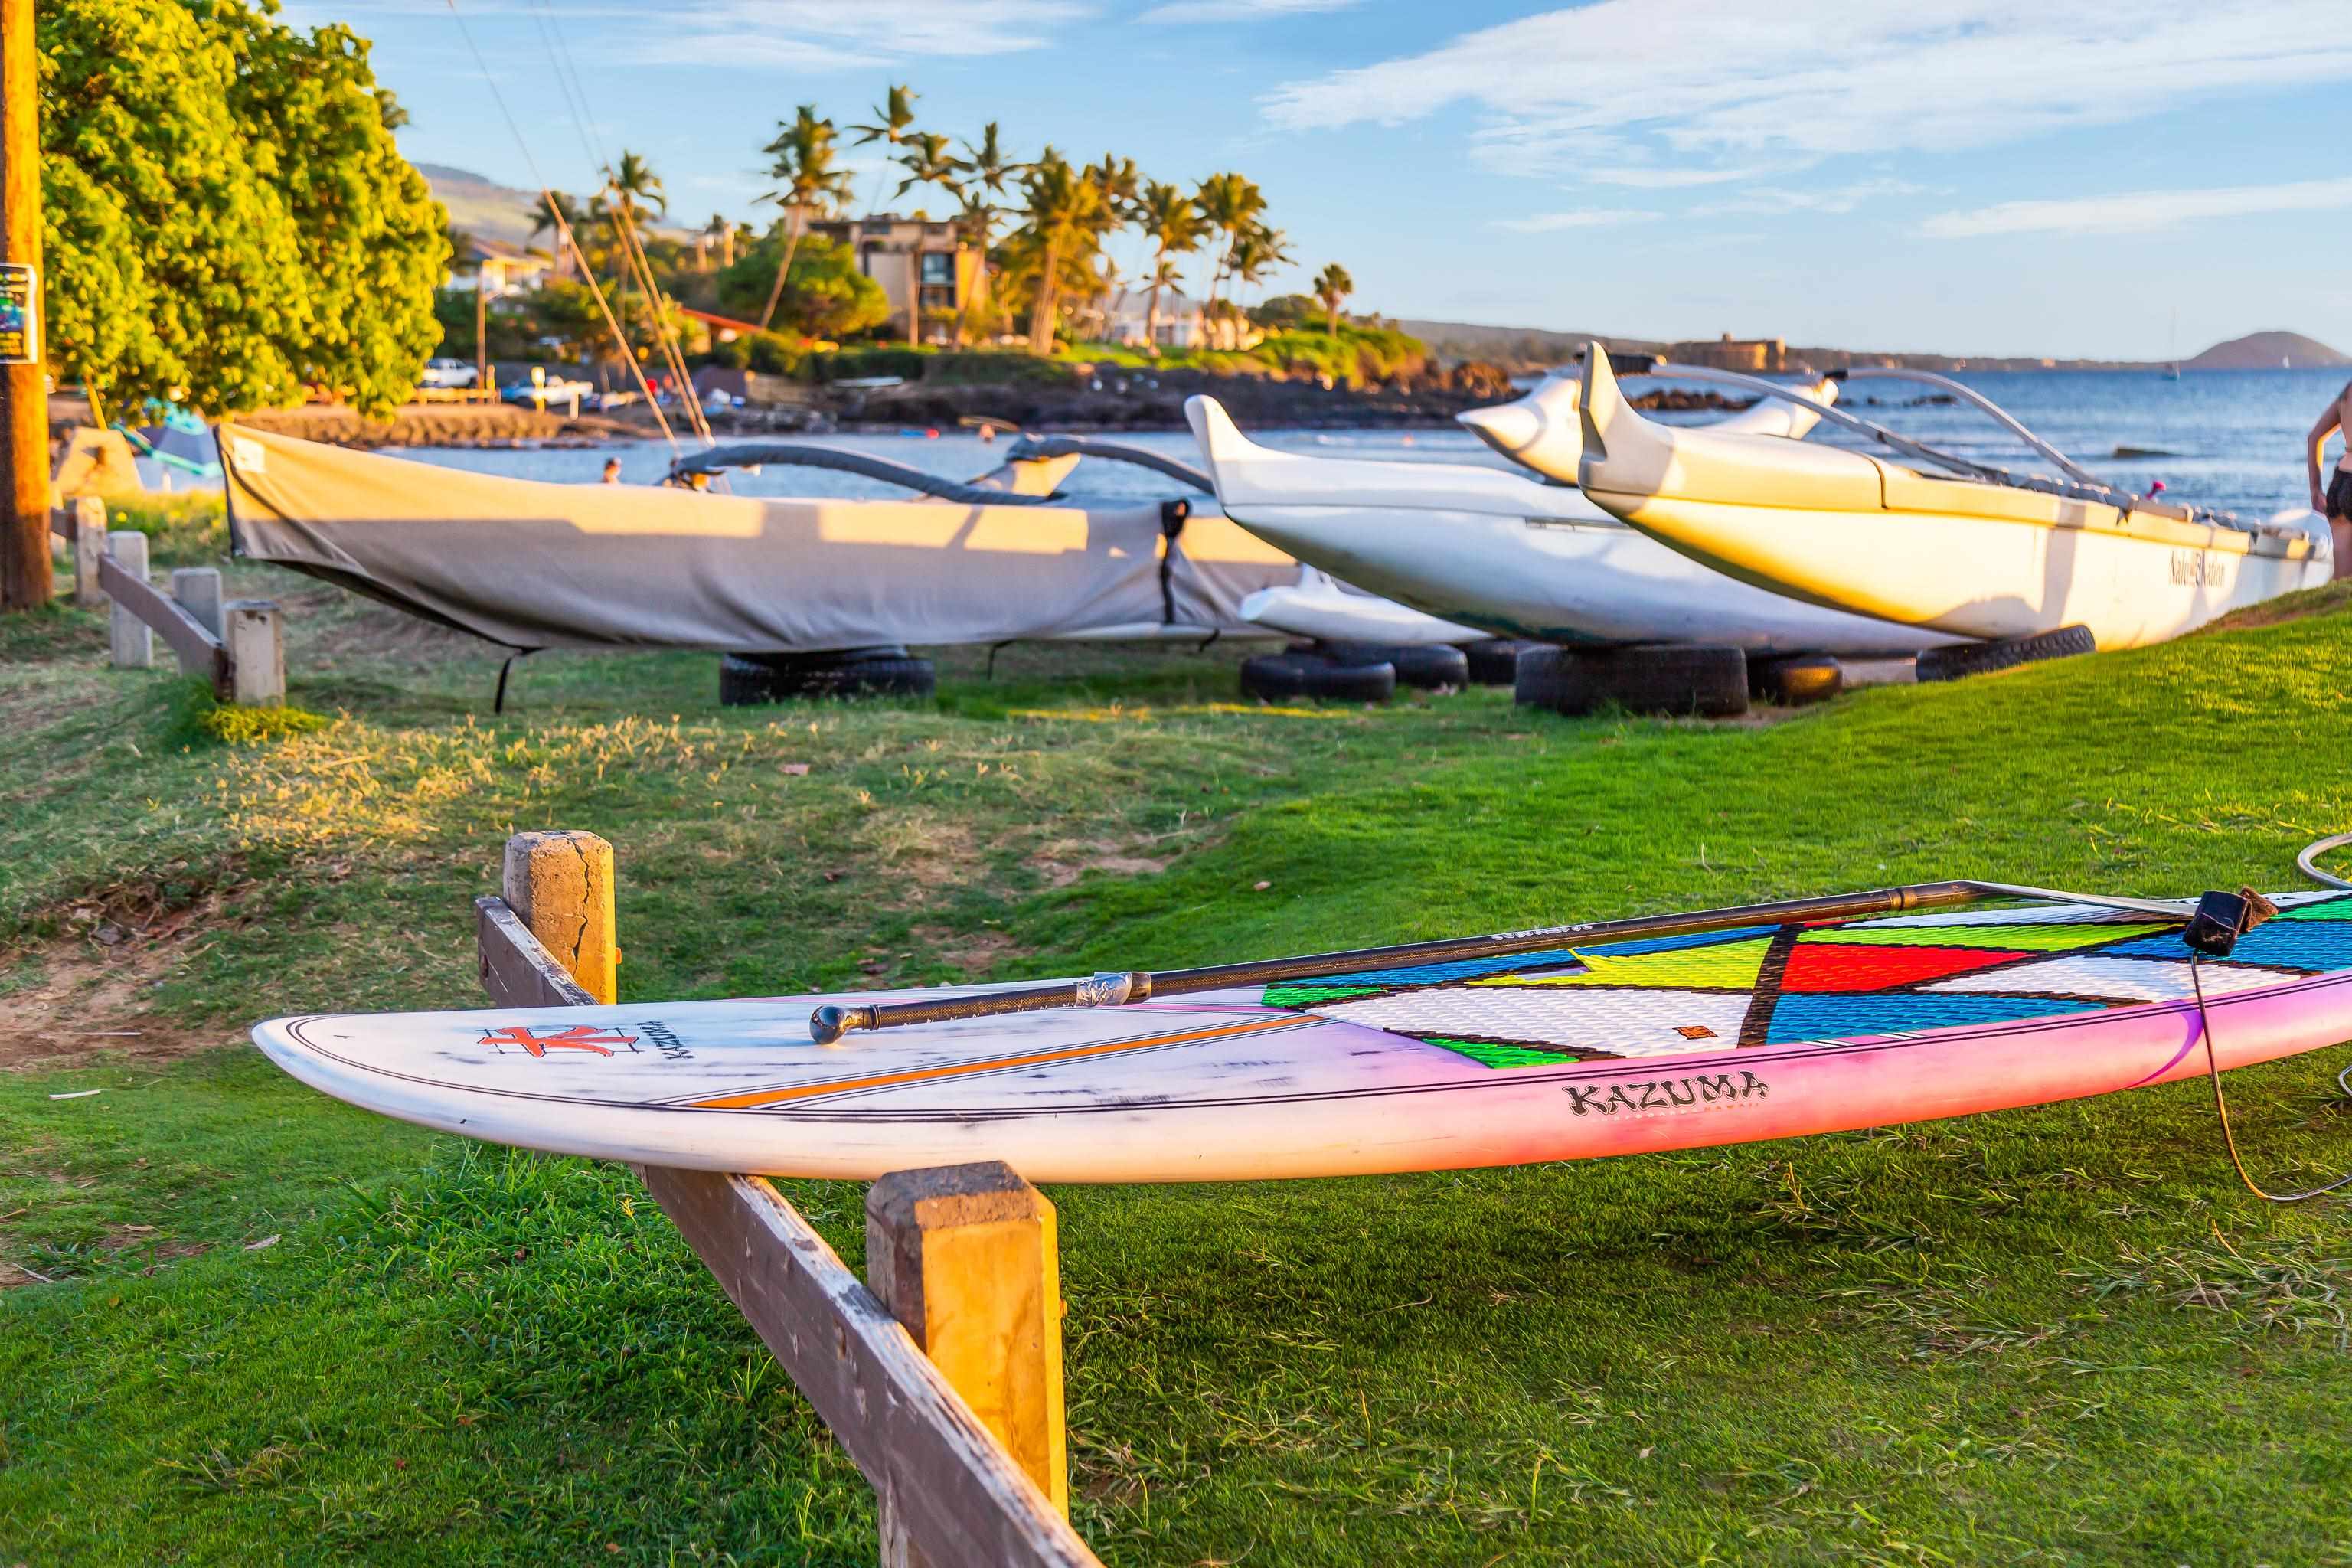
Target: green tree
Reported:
point(231, 218)
point(824, 296)
point(1231, 204)
point(1332, 285)
point(1257, 253)
point(927, 161)
point(802, 162)
point(894, 119)
point(1174, 226)
point(1064, 210)
point(987, 172)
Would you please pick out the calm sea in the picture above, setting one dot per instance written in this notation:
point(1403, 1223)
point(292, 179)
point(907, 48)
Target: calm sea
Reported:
point(2230, 439)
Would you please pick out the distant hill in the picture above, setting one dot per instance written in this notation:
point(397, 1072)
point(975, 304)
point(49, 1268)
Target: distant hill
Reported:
point(1516, 348)
point(2266, 350)
point(482, 207)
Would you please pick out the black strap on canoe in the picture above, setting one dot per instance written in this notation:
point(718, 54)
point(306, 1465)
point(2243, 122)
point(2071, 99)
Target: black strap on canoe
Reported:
point(1172, 514)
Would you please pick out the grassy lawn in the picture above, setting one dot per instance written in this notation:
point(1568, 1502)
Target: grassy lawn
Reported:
point(240, 1322)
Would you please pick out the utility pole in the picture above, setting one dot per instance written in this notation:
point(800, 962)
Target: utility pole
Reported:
point(24, 391)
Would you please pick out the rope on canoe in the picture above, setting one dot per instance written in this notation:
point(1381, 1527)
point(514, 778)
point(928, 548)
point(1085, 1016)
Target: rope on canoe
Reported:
point(2314, 850)
point(2222, 1103)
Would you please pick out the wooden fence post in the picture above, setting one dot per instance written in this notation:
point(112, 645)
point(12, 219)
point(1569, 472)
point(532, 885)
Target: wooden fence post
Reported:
point(560, 885)
point(198, 591)
point(129, 641)
point(88, 545)
point(967, 1259)
point(256, 638)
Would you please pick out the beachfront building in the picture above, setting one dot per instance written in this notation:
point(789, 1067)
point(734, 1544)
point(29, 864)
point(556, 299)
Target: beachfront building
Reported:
point(500, 269)
point(1727, 353)
point(1182, 323)
point(915, 259)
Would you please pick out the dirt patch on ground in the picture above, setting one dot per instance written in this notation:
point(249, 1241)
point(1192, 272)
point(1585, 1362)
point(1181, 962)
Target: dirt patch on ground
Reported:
point(1064, 861)
point(973, 954)
point(94, 995)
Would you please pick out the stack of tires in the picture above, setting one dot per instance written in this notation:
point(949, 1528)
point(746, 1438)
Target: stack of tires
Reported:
point(749, 678)
point(1708, 683)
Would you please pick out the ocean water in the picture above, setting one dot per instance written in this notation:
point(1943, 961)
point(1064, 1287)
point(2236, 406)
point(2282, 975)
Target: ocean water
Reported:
point(2226, 440)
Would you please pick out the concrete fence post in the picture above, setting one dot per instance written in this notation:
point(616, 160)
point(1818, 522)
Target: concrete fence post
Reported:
point(255, 633)
point(88, 545)
point(198, 591)
point(129, 640)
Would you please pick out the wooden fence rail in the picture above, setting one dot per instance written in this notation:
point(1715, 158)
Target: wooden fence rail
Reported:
point(239, 646)
point(944, 1382)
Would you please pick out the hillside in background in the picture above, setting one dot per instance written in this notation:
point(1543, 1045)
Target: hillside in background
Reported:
point(482, 207)
point(2267, 351)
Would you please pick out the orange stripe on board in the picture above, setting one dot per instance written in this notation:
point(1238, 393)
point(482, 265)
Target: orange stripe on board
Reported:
point(883, 1080)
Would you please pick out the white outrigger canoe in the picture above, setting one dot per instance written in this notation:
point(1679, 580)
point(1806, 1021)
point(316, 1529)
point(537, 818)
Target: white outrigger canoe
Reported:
point(1320, 607)
point(1545, 429)
point(1509, 553)
point(1964, 555)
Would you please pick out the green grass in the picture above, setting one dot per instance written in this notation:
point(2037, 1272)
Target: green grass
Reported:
point(2059, 1336)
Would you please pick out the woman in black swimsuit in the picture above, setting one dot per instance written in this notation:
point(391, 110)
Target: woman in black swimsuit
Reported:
point(2334, 502)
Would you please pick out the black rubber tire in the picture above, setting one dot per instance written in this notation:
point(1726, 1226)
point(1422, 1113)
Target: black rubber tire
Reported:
point(1708, 681)
point(1984, 658)
point(1495, 661)
point(1793, 682)
point(1279, 677)
point(746, 680)
point(1437, 666)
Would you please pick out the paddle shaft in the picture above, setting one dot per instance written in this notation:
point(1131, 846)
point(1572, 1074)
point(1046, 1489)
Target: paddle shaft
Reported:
point(828, 1023)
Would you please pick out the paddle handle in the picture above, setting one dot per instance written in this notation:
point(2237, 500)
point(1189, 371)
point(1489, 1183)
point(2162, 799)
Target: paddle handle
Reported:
point(829, 1024)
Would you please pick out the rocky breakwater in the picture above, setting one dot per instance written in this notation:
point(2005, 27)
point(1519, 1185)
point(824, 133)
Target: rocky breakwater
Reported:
point(440, 425)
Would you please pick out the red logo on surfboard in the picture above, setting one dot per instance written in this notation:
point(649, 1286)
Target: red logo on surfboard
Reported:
point(573, 1037)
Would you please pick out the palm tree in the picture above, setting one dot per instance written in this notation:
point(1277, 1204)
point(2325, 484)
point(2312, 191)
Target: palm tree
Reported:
point(560, 214)
point(892, 119)
point(986, 172)
point(1175, 227)
point(1332, 285)
point(1065, 210)
point(633, 181)
point(801, 160)
point(1231, 205)
point(723, 232)
point(927, 161)
point(1258, 252)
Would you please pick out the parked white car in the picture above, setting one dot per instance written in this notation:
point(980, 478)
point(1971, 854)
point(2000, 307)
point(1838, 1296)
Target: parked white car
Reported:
point(450, 372)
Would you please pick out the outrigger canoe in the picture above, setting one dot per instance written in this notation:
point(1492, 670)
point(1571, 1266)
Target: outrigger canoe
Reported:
point(1545, 429)
point(1574, 1042)
point(1850, 531)
point(1509, 553)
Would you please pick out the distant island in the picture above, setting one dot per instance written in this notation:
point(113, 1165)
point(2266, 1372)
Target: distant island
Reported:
point(2267, 351)
point(1533, 348)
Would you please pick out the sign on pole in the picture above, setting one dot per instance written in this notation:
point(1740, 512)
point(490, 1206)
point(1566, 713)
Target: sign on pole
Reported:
point(20, 315)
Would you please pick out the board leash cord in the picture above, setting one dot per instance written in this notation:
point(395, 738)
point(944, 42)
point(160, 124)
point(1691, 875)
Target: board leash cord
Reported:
point(2213, 932)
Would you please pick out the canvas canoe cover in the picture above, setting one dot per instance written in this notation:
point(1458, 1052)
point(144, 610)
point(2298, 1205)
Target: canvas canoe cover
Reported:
point(530, 565)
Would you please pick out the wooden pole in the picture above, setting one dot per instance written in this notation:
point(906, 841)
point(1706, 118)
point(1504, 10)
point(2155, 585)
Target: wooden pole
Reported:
point(254, 632)
point(130, 640)
point(966, 1259)
point(23, 388)
point(561, 886)
point(481, 332)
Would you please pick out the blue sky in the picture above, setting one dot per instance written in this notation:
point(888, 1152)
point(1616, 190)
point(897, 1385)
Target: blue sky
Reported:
point(2064, 177)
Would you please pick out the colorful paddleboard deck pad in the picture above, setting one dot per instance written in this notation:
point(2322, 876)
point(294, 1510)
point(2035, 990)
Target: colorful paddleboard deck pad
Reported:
point(1756, 1032)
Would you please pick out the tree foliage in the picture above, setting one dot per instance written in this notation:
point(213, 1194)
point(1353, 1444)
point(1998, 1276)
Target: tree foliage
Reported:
point(226, 216)
point(823, 294)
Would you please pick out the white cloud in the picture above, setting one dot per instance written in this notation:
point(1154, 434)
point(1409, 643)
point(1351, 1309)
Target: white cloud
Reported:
point(1639, 177)
point(827, 34)
point(1187, 12)
point(2139, 211)
point(1711, 83)
point(1578, 218)
point(1836, 201)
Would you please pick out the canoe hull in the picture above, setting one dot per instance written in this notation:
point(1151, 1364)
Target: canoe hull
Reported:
point(2021, 579)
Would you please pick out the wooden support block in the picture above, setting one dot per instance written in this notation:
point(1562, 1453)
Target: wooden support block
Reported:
point(130, 643)
point(89, 550)
point(255, 633)
point(560, 885)
point(966, 1259)
point(197, 590)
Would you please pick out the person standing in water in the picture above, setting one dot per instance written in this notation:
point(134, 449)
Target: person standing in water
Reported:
point(612, 470)
point(2334, 502)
